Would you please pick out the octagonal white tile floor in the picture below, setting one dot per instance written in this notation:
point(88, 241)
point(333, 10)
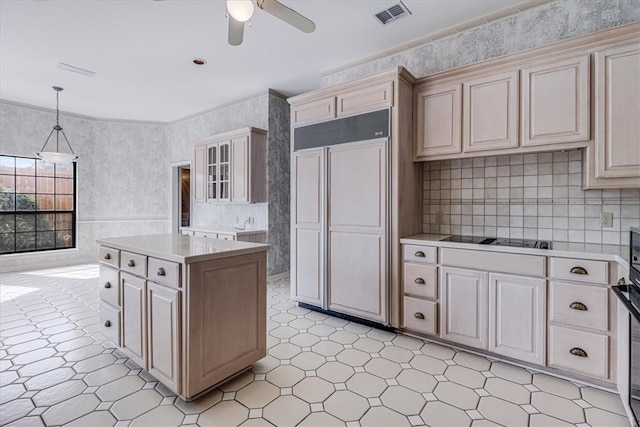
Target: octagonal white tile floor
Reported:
point(57, 369)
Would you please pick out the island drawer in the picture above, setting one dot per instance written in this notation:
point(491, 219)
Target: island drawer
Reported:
point(421, 254)
point(109, 286)
point(226, 236)
point(580, 305)
point(110, 256)
point(134, 263)
point(110, 319)
point(580, 270)
point(420, 315)
point(579, 351)
point(164, 272)
point(421, 280)
point(529, 265)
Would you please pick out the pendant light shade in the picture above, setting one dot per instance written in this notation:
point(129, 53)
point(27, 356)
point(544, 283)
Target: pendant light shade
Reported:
point(57, 156)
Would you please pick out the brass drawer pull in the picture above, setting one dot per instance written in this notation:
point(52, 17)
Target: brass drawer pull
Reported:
point(419, 281)
point(576, 351)
point(131, 263)
point(419, 316)
point(107, 256)
point(161, 272)
point(578, 270)
point(107, 285)
point(578, 306)
point(622, 281)
point(419, 254)
point(107, 323)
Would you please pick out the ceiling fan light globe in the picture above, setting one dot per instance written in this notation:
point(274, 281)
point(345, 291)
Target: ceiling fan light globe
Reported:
point(56, 157)
point(241, 10)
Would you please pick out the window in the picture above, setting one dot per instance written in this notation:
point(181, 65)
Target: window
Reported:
point(37, 205)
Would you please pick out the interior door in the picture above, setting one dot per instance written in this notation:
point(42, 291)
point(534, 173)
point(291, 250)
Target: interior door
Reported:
point(357, 229)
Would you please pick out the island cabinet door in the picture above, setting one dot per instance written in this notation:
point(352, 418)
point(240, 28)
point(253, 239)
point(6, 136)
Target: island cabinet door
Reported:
point(133, 318)
point(517, 320)
point(463, 318)
point(163, 320)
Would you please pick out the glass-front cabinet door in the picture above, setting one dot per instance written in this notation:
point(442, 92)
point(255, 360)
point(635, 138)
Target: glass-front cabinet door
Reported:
point(218, 171)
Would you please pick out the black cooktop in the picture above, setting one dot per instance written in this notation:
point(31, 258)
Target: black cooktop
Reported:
point(521, 243)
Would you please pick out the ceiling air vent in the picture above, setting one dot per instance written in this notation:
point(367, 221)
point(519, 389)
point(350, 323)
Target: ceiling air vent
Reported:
point(393, 13)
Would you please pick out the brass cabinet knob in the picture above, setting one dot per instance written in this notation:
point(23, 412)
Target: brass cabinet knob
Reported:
point(107, 256)
point(107, 323)
point(131, 263)
point(419, 316)
point(578, 306)
point(622, 281)
point(419, 281)
point(419, 254)
point(578, 270)
point(107, 285)
point(161, 272)
point(576, 351)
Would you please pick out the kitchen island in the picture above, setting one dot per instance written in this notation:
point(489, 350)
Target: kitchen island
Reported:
point(189, 310)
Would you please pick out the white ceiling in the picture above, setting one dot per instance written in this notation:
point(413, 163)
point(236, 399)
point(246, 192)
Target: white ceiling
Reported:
point(142, 50)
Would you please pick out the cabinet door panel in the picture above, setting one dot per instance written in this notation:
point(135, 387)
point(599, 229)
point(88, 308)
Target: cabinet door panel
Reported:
point(617, 107)
point(490, 112)
point(307, 247)
point(357, 275)
point(439, 120)
point(463, 317)
point(163, 318)
point(240, 169)
point(200, 174)
point(517, 321)
point(133, 318)
point(555, 102)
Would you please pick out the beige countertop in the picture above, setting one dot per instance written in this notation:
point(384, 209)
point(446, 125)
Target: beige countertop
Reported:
point(617, 253)
point(225, 230)
point(182, 248)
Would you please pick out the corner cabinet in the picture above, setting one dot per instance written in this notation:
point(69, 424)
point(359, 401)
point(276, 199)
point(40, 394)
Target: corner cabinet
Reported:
point(231, 167)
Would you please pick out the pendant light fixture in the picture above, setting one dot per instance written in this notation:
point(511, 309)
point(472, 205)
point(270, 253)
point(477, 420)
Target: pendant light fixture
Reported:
point(57, 156)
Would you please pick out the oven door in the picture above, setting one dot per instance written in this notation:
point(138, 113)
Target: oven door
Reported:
point(628, 295)
point(634, 367)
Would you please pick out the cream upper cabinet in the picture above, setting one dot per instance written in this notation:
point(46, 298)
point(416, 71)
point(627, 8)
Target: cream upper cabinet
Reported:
point(315, 111)
point(231, 167)
point(490, 112)
point(517, 320)
point(617, 112)
point(369, 98)
point(555, 102)
point(438, 120)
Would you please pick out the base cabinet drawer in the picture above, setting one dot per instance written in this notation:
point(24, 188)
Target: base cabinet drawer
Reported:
point(134, 263)
point(164, 272)
point(110, 319)
point(580, 305)
point(421, 316)
point(580, 270)
point(110, 256)
point(579, 351)
point(421, 280)
point(420, 254)
point(109, 286)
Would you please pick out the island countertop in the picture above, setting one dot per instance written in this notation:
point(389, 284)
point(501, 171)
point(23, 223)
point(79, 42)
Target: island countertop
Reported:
point(181, 248)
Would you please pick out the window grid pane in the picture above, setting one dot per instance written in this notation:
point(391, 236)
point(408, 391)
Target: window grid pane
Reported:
point(37, 205)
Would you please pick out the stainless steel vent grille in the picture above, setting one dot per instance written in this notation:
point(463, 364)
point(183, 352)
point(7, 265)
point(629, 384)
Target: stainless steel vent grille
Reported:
point(392, 13)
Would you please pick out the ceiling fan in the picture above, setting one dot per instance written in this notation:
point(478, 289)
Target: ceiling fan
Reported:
point(240, 11)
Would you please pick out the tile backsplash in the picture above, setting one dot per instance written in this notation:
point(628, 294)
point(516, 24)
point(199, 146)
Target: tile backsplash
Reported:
point(531, 196)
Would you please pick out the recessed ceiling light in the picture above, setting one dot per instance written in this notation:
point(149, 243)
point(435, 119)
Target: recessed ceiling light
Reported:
point(75, 69)
point(199, 61)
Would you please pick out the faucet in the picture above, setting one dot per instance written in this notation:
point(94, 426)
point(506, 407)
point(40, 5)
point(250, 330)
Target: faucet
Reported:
point(244, 225)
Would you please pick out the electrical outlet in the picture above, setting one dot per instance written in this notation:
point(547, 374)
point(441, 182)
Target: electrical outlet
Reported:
point(606, 219)
point(439, 218)
point(237, 220)
point(251, 220)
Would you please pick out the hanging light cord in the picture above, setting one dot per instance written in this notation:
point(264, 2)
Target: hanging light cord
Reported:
point(57, 127)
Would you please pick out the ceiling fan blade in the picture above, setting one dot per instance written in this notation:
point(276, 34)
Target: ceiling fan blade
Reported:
point(236, 30)
point(286, 14)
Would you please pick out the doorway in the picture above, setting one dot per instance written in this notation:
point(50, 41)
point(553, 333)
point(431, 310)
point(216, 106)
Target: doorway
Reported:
point(180, 196)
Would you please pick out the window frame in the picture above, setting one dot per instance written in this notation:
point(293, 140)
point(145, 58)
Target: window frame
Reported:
point(35, 212)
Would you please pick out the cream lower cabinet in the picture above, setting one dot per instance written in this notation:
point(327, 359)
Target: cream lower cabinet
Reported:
point(134, 329)
point(463, 317)
point(517, 317)
point(163, 326)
